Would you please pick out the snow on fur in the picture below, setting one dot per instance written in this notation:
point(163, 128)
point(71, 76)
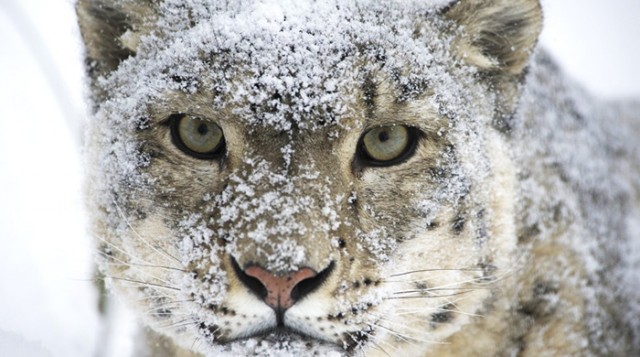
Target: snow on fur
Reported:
point(252, 54)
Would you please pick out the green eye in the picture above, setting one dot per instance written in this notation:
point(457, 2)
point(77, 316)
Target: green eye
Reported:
point(388, 145)
point(197, 137)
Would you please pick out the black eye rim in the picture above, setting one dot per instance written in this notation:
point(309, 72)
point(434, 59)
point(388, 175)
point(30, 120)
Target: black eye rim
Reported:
point(366, 160)
point(215, 154)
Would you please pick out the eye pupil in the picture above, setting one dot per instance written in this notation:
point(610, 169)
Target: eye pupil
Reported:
point(203, 129)
point(383, 136)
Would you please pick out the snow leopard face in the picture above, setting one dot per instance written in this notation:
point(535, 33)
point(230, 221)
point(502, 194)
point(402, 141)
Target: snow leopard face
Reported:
point(274, 176)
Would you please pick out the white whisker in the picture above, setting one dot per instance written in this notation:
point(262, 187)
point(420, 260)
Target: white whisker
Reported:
point(158, 249)
point(137, 268)
point(119, 250)
point(144, 283)
point(434, 270)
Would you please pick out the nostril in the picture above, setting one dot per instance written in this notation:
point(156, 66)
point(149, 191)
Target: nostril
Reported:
point(254, 285)
point(307, 286)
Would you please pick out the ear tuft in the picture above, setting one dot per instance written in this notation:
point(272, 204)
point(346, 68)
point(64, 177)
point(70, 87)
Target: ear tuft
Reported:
point(110, 31)
point(497, 35)
point(101, 25)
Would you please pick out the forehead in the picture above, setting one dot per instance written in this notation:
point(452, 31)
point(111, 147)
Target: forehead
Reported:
point(290, 65)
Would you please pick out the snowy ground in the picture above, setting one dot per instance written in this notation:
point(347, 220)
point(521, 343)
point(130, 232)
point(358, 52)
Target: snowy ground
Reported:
point(46, 294)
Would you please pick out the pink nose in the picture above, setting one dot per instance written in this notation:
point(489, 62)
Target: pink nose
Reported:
point(279, 289)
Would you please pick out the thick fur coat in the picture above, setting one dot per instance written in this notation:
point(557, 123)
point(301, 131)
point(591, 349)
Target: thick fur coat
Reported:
point(282, 178)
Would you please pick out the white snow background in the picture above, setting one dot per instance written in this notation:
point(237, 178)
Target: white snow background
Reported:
point(47, 299)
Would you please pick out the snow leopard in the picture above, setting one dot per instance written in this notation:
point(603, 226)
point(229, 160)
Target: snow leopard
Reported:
point(357, 178)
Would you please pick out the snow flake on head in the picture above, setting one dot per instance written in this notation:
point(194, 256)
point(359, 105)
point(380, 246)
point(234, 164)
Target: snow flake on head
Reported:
point(266, 212)
point(285, 64)
point(199, 252)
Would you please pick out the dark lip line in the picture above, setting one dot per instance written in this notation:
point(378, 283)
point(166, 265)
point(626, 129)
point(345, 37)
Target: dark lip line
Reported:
point(278, 331)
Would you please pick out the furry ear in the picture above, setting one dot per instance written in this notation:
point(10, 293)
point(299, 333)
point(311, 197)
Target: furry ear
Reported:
point(110, 31)
point(497, 35)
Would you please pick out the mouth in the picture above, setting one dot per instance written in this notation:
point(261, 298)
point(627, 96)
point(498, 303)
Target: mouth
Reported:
point(278, 334)
point(280, 341)
point(283, 334)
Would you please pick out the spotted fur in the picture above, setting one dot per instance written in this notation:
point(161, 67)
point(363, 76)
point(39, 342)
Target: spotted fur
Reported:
point(484, 241)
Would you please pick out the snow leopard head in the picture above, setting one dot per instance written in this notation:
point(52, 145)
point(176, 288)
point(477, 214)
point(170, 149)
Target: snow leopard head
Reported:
point(327, 176)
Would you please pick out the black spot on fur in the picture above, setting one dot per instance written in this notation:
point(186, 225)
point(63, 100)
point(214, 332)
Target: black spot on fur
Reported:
point(106, 251)
point(528, 233)
point(163, 313)
point(444, 9)
point(441, 317)
point(336, 317)
point(369, 94)
point(438, 173)
point(431, 225)
point(210, 331)
point(354, 340)
point(444, 316)
point(541, 303)
point(353, 200)
point(504, 123)
point(408, 87)
point(481, 228)
point(409, 91)
point(376, 53)
point(544, 288)
point(457, 225)
point(488, 271)
point(140, 214)
point(481, 234)
point(188, 84)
